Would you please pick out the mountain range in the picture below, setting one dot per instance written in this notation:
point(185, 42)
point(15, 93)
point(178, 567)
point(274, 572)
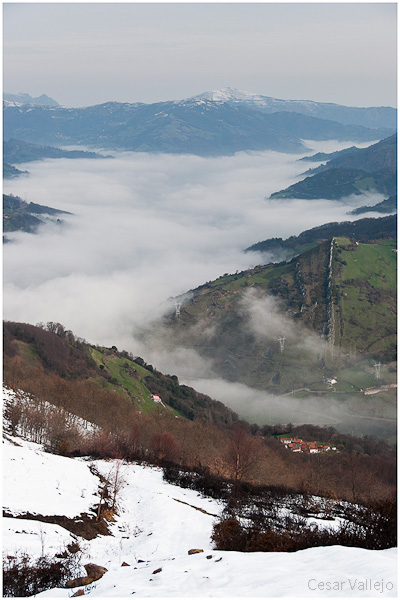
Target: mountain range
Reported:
point(327, 283)
point(24, 98)
point(375, 117)
point(199, 125)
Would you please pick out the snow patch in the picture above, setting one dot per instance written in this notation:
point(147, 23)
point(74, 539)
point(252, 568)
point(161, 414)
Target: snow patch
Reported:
point(41, 483)
point(156, 525)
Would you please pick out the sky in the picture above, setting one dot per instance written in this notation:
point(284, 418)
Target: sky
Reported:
point(82, 54)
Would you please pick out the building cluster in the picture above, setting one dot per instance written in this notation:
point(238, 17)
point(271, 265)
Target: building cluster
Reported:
point(299, 445)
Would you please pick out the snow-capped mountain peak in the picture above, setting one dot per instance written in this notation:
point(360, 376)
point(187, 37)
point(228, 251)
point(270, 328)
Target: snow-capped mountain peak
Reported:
point(229, 94)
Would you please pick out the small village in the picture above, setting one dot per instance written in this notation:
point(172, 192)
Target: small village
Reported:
point(299, 445)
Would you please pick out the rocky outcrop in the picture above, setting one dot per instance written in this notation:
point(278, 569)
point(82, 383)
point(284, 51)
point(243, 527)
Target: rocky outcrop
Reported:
point(94, 572)
point(78, 582)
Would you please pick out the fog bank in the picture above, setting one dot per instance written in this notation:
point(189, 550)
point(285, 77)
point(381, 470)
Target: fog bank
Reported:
point(145, 228)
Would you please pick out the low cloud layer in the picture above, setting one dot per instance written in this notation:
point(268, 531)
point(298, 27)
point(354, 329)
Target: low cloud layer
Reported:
point(146, 228)
point(260, 407)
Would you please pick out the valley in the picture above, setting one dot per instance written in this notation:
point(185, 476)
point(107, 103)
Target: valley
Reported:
point(335, 320)
point(317, 289)
point(292, 328)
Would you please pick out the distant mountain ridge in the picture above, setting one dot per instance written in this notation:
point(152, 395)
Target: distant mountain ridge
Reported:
point(17, 151)
point(388, 205)
point(23, 98)
point(379, 156)
point(384, 116)
point(196, 125)
point(354, 172)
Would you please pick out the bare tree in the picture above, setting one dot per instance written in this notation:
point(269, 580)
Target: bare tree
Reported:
point(243, 453)
point(117, 482)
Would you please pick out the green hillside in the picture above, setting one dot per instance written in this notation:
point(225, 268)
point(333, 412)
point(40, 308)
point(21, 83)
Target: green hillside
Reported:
point(19, 215)
point(236, 321)
point(388, 205)
point(18, 151)
point(354, 171)
point(365, 298)
point(339, 182)
point(50, 357)
point(362, 230)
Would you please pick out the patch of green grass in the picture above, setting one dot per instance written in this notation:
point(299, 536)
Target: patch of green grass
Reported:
point(375, 263)
point(360, 375)
point(123, 371)
point(365, 288)
point(367, 183)
point(342, 242)
point(128, 378)
point(97, 356)
point(29, 354)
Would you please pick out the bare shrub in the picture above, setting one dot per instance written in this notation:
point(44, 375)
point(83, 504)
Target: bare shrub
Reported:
point(117, 483)
point(164, 446)
point(228, 535)
point(101, 444)
point(24, 576)
point(242, 454)
point(13, 414)
point(373, 527)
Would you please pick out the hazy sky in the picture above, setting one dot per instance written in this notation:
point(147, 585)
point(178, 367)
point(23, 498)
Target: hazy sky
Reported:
point(88, 53)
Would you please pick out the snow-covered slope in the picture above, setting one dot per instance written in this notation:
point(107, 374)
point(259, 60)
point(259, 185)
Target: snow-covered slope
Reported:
point(233, 95)
point(156, 526)
point(368, 117)
point(46, 484)
point(23, 98)
point(274, 575)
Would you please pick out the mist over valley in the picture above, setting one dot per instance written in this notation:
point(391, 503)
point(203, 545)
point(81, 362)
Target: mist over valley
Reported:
point(147, 228)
